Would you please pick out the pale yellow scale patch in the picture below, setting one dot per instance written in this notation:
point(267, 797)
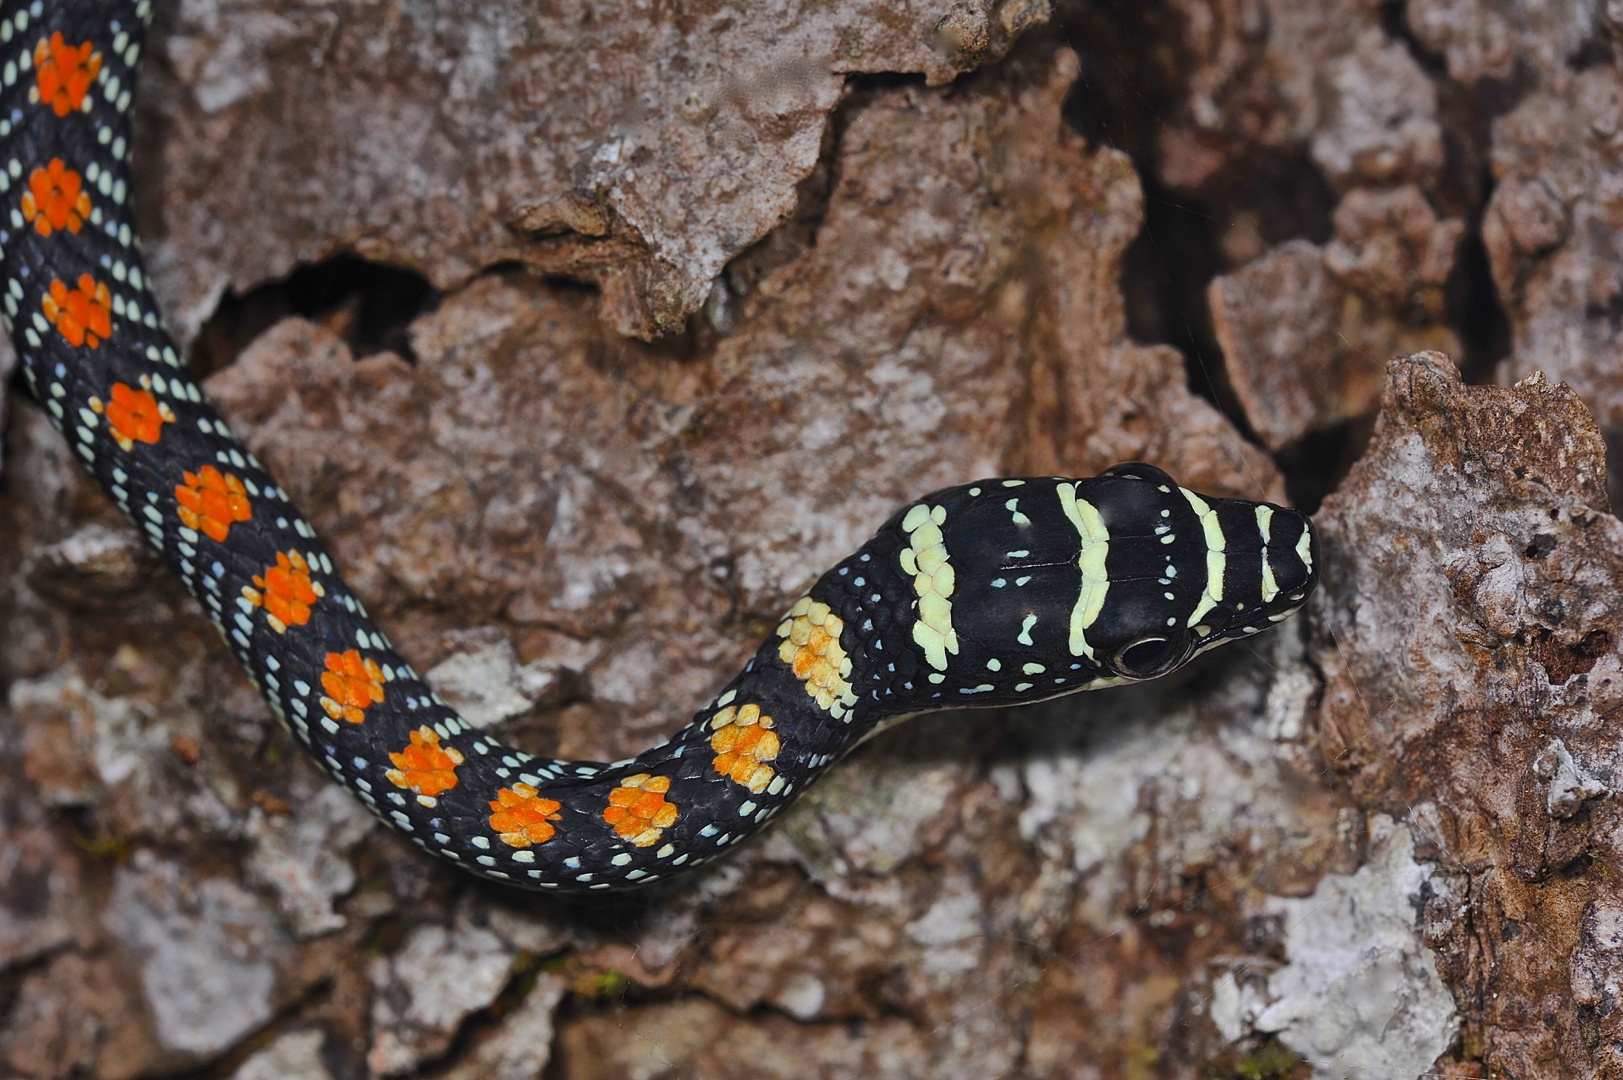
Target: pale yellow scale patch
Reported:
point(1216, 557)
point(1090, 600)
point(1304, 550)
point(1265, 526)
point(925, 560)
point(811, 648)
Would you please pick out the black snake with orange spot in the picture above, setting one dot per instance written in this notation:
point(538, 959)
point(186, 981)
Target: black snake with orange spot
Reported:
point(997, 592)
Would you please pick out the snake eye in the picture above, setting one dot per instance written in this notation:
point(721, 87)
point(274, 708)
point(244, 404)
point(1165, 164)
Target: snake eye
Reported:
point(1151, 656)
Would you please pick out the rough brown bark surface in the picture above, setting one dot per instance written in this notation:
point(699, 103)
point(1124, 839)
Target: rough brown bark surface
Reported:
point(638, 145)
point(1480, 698)
point(1380, 841)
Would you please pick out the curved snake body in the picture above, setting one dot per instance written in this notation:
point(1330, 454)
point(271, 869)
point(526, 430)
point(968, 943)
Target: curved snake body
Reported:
point(998, 592)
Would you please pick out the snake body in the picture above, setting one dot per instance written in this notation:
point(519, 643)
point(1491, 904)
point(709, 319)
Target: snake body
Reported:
point(993, 593)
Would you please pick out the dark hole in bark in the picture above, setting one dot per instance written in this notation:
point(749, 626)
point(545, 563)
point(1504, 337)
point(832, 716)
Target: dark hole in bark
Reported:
point(1125, 93)
point(1614, 469)
point(368, 304)
point(1471, 307)
point(1125, 97)
point(1542, 545)
point(1315, 464)
point(1598, 51)
point(1596, 643)
point(1575, 870)
point(1562, 662)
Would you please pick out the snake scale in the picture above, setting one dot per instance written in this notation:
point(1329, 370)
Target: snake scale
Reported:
point(993, 593)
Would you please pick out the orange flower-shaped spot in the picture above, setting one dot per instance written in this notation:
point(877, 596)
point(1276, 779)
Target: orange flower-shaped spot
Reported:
point(744, 741)
point(55, 199)
point(522, 817)
point(811, 647)
point(133, 415)
point(210, 501)
point(63, 73)
point(637, 808)
point(353, 684)
point(285, 592)
point(82, 314)
point(425, 766)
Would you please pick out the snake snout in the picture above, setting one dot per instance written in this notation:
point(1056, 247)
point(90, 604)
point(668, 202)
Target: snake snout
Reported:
point(1293, 555)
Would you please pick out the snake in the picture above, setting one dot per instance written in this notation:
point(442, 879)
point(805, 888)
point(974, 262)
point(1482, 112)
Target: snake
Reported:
point(992, 593)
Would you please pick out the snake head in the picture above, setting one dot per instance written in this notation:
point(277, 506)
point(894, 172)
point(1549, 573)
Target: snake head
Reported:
point(1026, 588)
point(1244, 567)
